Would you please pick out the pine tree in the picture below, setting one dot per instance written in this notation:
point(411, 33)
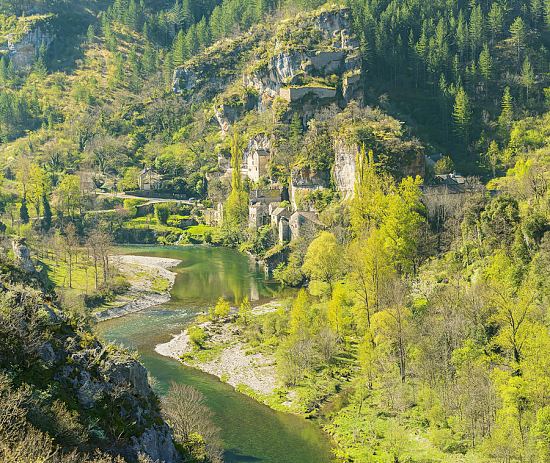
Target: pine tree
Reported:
point(493, 156)
point(461, 34)
point(90, 34)
point(527, 76)
point(179, 51)
point(517, 31)
point(462, 114)
point(132, 15)
point(47, 214)
point(507, 111)
point(203, 33)
point(191, 42)
point(486, 63)
point(496, 20)
point(24, 211)
point(476, 29)
point(148, 59)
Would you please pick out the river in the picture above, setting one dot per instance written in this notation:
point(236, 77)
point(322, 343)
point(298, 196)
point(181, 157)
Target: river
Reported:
point(251, 432)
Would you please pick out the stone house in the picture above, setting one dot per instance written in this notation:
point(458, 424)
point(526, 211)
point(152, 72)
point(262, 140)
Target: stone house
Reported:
point(258, 215)
point(277, 214)
point(256, 157)
point(213, 216)
point(149, 179)
point(451, 184)
point(283, 230)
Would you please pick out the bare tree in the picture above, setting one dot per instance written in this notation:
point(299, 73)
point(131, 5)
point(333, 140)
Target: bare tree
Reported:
point(71, 243)
point(186, 411)
point(99, 246)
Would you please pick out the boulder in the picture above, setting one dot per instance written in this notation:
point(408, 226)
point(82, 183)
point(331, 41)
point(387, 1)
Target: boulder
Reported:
point(157, 443)
point(22, 255)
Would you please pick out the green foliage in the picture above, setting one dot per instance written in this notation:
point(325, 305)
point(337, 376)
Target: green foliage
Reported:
point(445, 165)
point(162, 212)
point(221, 310)
point(197, 336)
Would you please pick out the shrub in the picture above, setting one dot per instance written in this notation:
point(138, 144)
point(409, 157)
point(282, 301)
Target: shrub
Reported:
point(131, 206)
point(197, 336)
point(221, 310)
point(162, 212)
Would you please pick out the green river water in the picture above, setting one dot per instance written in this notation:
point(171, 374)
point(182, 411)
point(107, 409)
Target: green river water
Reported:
point(251, 432)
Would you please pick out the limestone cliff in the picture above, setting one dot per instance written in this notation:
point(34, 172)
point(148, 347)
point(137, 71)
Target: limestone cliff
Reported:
point(102, 388)
point(345, 154)
point(24, 50)
point(308, 57)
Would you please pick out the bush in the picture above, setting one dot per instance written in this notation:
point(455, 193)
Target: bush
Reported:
point(162, 212)
point(197, 336)
point(131, 206)
point(221, 310)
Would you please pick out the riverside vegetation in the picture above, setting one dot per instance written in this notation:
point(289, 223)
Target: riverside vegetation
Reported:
point(419, 331)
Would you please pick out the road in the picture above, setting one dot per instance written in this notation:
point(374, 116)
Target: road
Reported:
point(147, 200)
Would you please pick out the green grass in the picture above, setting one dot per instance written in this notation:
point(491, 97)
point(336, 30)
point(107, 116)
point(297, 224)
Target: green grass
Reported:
point(151, 223)
point(83, 276)
point(199, 232)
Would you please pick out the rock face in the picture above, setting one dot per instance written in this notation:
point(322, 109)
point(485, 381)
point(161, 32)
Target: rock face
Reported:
point(156, 443)
point(227, 113)
point(289, 70)
point(210, 73)
point(24, 52)
point(100, 379)
point(22, 255)
point(345, 156)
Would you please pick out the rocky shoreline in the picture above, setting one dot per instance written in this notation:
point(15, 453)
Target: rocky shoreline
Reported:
point(249, 372)
point(144, 273)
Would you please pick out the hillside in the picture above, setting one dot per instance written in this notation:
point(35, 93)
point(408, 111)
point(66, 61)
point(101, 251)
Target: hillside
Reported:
point(65, 395)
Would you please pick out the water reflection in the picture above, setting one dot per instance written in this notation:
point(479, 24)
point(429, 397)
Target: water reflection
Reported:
point(251, 432)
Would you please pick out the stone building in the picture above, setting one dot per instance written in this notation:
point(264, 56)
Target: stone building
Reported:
point(258, 215)
point(149, 179)
point(256, 157)
point(277, 214)
point(283, 230)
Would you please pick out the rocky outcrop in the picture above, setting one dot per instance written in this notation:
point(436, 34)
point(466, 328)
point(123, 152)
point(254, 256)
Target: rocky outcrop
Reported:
point(102, 378)
point(352, 87)
point(106, 387)
point(281, 70)
point(293, 71)
point(24, 52)
point(345, 155)
point(228, 112)
point(211, 72)
point(22, 255)
point(156, 443)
